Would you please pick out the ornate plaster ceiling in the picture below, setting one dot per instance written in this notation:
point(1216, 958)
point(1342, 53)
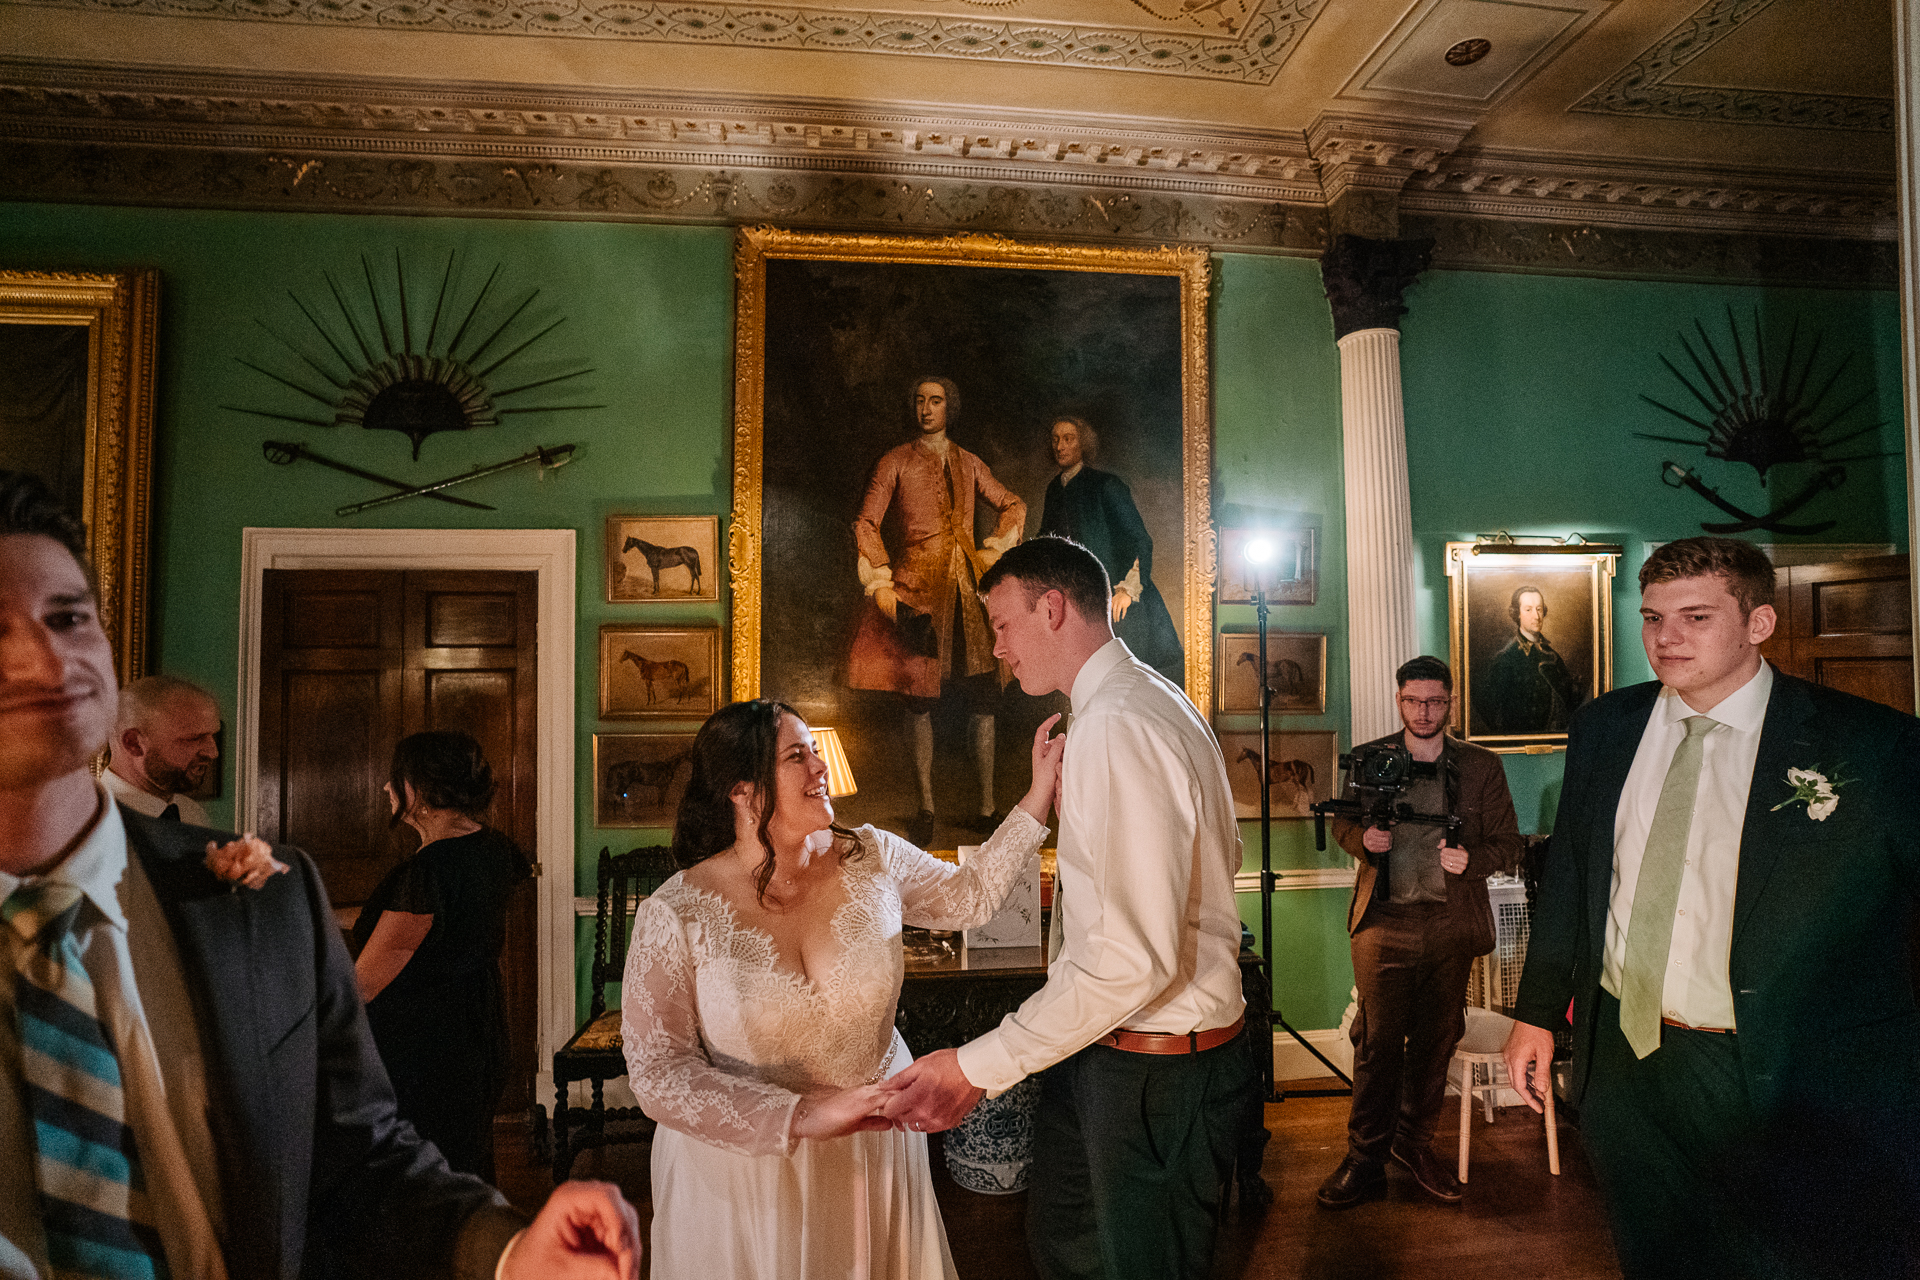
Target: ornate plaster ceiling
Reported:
point(1714, 115)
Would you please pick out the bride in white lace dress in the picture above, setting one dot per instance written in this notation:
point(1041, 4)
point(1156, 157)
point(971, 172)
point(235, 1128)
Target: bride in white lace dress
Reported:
point(758, 1014)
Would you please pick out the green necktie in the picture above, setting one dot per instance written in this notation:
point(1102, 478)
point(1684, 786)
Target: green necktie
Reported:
point(1643, 976)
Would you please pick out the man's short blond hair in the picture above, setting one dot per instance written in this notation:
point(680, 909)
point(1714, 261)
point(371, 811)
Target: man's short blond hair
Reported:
point(144, 699)
point(1744, 567)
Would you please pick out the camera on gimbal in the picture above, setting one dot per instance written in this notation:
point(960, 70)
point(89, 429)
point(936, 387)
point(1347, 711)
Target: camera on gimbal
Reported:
point(1378, 773)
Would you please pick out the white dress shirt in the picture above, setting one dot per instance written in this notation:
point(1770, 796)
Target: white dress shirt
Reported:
point(191, 811)
point(1147, 853)
point(128, 950)
point(1698, 990)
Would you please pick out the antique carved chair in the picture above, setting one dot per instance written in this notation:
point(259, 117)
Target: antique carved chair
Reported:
point(594, 1054)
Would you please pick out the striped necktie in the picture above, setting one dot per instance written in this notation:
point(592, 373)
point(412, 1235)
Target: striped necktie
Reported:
point(93, 1196)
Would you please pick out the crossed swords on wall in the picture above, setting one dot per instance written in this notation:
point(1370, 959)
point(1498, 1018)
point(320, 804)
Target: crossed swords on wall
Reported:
point(284, 454)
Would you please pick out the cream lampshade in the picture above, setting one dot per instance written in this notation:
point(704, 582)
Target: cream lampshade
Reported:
point(839, 772)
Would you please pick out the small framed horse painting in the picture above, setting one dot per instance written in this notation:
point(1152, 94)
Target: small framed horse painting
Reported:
point(662, 558)
point(659, 673)
point(638, 778)
point(1303, 769)
point(1296, 668)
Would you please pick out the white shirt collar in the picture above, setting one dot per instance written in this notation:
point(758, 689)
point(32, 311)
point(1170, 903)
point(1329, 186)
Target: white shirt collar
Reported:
point(96, 867)
point(1070, 473)
point(1095, 669)
point(1745, 709)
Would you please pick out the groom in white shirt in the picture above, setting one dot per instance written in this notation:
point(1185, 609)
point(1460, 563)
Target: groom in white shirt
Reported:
point(1137, 1122)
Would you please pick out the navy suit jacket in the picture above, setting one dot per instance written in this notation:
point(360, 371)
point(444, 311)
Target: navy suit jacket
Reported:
point(1819, 964)
point(317, 1172)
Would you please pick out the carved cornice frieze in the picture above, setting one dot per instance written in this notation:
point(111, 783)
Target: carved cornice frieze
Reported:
point(292, 178)
point(1510, 186)
point(1375, 153)
point(424, 120)
point(1482, 244)
point(1234, 40)
point(1651, 86)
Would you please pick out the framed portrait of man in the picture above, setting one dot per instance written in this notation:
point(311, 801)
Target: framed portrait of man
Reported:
point(907, 410)
point(1530, 638)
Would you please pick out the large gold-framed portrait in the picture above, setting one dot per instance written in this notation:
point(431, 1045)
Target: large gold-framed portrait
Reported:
point(906, 409)
point(1530, 638)
point(76, 409)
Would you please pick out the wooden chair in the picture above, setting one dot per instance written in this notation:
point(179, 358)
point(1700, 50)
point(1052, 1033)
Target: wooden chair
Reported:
point(594, 1053)
point(1480, 1052)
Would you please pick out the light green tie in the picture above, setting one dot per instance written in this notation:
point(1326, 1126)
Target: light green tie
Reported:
point(1643, 976)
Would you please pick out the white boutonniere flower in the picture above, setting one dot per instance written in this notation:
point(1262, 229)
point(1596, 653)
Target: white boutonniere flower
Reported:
point(1811, 787)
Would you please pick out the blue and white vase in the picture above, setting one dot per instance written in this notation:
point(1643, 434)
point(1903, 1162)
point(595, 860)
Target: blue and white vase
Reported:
point(992, 1149)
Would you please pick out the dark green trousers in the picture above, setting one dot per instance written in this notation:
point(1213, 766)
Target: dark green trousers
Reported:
point(1131, 1151)
point(1700, 1186)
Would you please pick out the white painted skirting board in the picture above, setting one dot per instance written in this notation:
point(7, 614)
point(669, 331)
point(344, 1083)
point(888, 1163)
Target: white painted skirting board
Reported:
point(549, 553)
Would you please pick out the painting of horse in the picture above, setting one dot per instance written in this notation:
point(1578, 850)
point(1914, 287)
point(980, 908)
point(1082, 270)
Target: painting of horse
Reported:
point(662, 558)
point(1302, 770)
point(639, 778)
point(1296, 668)
point(664, 673)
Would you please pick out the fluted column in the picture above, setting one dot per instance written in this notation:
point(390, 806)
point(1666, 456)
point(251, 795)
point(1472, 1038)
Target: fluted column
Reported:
point(1380, 634)
point(1365, 279)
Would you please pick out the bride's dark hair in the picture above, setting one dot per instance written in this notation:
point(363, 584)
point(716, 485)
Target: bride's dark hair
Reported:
point(738, 743)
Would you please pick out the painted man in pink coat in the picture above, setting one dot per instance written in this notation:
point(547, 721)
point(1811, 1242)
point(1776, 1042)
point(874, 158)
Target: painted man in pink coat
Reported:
point(924, 625)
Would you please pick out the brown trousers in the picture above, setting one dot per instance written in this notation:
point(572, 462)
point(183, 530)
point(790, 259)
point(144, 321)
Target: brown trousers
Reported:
point(1411, 970)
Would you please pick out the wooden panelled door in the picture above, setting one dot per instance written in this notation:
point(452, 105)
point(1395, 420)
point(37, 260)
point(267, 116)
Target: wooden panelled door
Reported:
point(353, 661)
point(1848, 625)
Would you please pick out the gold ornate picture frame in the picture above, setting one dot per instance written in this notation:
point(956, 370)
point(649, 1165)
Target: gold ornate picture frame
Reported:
point(833, 333)
point(1530, 638)
point(109, 426)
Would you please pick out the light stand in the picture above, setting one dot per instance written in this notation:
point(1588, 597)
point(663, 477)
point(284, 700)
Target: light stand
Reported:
point(1259, 554)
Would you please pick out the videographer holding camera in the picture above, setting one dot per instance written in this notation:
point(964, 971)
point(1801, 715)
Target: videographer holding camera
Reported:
point(1420, 915)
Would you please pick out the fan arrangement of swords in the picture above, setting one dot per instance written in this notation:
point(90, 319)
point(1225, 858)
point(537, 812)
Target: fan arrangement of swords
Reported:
point(377, 376)
point(1751, 409)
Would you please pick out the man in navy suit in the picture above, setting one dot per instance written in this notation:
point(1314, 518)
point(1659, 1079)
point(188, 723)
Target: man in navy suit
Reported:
point(246, 1106)
point(1726, 906)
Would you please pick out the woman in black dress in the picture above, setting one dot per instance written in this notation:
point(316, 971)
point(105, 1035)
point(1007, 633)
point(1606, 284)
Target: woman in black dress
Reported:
point(429, 949)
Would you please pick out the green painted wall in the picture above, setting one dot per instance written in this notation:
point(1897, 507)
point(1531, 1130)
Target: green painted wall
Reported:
point(1520, 395)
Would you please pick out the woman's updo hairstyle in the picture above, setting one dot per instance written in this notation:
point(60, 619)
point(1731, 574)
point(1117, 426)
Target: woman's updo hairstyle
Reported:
point(446, 770)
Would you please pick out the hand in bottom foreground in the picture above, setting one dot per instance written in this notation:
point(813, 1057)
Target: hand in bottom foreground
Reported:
point(586, 1231)
point(931, 1094)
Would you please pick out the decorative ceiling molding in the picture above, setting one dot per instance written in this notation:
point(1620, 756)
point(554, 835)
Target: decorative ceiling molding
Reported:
point(1649, 87)
point(168, 108)
point(329, 181)
point(1534, 188)
point(1375, 153)
point(1234, 40)
point(1539, 248)
point(95, 134)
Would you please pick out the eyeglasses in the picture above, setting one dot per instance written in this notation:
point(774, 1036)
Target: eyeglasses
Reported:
point(1427, 704)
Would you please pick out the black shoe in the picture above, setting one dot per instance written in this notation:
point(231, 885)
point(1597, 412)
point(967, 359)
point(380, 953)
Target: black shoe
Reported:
point(920, 829)
point(1355, 1180)
point(986, 823)
point(1429, 1171)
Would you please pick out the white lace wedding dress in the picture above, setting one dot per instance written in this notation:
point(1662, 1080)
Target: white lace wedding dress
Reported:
point(720, 1043)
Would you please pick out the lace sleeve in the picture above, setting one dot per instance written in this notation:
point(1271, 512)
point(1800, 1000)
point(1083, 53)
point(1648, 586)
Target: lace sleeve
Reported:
point(940, 895)
point(676, 1082)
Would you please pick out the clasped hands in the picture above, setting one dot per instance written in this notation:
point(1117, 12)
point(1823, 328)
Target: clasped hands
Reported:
point(247, 861)
point(931, 1094)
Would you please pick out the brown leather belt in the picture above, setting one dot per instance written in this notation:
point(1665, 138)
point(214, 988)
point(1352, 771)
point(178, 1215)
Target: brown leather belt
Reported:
point(1675, 1022)
point(1155, 1042)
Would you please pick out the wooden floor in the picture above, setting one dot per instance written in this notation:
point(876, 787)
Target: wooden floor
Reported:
point(1517, 1219)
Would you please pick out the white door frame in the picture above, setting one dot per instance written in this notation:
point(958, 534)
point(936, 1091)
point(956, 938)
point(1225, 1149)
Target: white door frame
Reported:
point(546, 552)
